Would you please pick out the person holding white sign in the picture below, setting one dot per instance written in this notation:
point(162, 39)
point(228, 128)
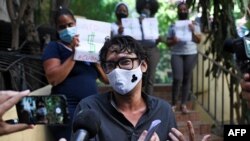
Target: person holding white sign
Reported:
point(121, 11)
point(182, 38)
point(75, 79)
point(147, 9)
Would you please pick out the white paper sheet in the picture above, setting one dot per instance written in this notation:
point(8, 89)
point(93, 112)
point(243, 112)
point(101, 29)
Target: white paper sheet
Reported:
point(132, 27)
point(182, 30)
point(150, 28)
point(92, 36)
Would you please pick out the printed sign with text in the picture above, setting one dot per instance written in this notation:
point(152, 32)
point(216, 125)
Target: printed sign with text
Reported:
point(92, 36)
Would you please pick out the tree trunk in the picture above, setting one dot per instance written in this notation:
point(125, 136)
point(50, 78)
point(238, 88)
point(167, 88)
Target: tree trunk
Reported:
point(15, 35)
point(31, 32)
point(16, 18)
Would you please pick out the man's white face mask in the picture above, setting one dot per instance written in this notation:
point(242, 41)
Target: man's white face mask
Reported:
point(123, 81)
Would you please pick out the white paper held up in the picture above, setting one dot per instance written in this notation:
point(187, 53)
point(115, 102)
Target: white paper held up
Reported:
point(92, 36)
point(182, 30)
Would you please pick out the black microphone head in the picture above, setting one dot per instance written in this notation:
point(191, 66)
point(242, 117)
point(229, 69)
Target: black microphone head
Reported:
point(87, 120)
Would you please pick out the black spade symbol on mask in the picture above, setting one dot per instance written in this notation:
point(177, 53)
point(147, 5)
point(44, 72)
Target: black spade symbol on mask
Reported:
point(134, 78)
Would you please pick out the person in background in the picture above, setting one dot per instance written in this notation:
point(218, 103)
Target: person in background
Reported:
point(7, 100)
point(147, 9)
point(41, 112)
point(74, 79)
point(183, 57)
point(121, 11)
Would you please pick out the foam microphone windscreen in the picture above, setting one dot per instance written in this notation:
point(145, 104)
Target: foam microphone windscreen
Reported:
point(87, 120)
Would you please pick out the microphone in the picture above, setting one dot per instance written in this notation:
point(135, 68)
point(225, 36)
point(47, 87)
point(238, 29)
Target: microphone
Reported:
point(85, 125)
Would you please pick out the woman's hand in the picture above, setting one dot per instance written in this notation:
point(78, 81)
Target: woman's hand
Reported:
point(74, 43)
point(120, 29)
point(172, 41)
point(191, 27)
point(195, 37)
point(102, 75)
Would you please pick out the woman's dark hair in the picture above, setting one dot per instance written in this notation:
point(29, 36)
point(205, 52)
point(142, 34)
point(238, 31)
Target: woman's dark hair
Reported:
point(153, 6)
point(180, 4)
point(118, 6)
point(63, 11)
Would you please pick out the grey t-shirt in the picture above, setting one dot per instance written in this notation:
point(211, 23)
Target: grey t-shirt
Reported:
point(183, 47)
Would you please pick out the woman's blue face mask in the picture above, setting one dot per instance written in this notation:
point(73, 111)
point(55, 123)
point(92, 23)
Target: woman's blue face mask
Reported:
point(67, 34)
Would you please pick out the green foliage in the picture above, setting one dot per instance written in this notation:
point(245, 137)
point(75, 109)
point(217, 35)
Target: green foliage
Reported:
point(96, 10)
point(51, 104)
point(42, 12)
point(166, 15)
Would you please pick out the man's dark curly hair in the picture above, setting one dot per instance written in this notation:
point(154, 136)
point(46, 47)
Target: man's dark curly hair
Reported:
point(153, 5)
point(125, 43)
